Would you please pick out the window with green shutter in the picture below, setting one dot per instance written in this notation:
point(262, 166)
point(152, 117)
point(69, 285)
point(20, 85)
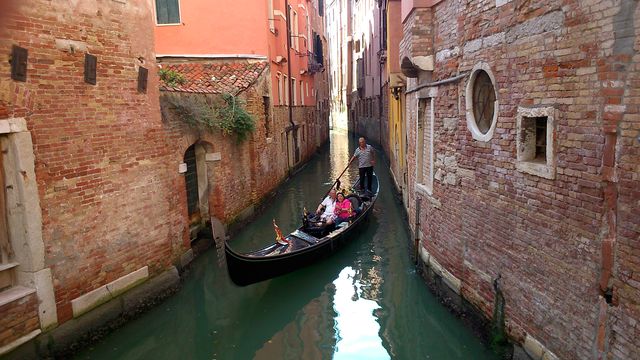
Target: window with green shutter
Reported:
point(167, 12)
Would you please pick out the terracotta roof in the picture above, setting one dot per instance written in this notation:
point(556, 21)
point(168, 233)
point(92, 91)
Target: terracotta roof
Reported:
point(216, 78)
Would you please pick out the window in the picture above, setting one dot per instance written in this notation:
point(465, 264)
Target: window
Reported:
point(384, 29)
point(294, 87)
point(301, 93)
point(482, 103)
point(266, 106)
point(293, 28)
point(424, 146)
point(309, 38)
point(167, 12)
point(272, 22)
point(535, 146)
point(286, 90)
point(280, 90)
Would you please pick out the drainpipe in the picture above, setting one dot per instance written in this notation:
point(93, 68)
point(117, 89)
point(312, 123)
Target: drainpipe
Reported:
point(292, 125)
point(380, 97)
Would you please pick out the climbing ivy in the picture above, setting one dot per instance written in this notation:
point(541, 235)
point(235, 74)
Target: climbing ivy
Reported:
point(225, 112)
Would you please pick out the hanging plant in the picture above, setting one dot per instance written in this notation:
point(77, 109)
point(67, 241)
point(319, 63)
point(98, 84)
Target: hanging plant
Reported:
point(225, 112)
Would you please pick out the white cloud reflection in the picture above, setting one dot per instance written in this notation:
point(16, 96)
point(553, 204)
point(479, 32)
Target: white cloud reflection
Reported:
point(356, 326)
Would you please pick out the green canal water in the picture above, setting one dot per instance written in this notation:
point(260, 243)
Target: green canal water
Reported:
point(365, 302)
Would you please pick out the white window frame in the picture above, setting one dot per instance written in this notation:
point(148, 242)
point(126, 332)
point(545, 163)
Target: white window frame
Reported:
point(423, 186)
point(293, 28)
point(309, 39)
point(296, 39)
point(286, 90)
point(280, 88)
point(301, 92)
point(294, 87)
point(471, 119)
point(272, 20)
point(524, 163)
point(155, 15)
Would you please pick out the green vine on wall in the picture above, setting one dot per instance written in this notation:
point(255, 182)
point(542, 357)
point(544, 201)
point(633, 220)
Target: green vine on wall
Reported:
point(226, 113)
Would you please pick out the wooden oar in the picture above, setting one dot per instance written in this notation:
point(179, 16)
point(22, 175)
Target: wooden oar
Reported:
point(338, 179)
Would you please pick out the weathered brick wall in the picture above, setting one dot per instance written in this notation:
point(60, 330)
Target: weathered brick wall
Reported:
point(417, 40)
point(112, 200)
point(18, 318)
point(302, 115)
point(247, 170)
point(622, 71)
point(546, 239)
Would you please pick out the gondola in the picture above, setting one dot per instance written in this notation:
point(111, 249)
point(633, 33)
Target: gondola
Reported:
point(306, 245)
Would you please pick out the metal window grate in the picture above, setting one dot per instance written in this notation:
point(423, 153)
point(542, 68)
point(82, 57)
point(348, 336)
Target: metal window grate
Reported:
point(90, 68)
point(19, 58)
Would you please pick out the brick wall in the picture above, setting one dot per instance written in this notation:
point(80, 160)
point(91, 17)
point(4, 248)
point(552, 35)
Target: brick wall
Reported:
point(546, 238)
point(112, 200)
point(417, 40)
point(315, 124)
point(248, 170)
point(19, 317)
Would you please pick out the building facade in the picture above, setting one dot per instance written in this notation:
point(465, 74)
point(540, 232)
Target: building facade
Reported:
point(285, 44)
point(338, 25)
point(104, 184)
point(91, 202)
point(368, 86)
point(396, 86)
point(523, 154)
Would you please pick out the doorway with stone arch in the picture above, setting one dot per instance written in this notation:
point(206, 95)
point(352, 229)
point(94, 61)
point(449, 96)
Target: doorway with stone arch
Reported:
point(197, 185)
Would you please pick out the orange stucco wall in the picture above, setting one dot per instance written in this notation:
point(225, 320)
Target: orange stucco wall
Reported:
point(409, 5)
point(241, 27)
point(278, 46)
point(229, 27)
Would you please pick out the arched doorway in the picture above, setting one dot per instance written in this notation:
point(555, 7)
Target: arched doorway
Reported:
point(197, 187)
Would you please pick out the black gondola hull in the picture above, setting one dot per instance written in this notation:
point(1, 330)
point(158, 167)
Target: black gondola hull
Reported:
point(246, 269)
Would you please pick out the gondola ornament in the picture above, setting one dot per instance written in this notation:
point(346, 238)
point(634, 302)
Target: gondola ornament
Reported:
point(280, 239)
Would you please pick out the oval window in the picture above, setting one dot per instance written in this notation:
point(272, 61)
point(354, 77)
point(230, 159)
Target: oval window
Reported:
point(484, 98)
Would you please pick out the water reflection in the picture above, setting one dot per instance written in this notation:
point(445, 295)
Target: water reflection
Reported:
point(356, 325)
point(364, 302)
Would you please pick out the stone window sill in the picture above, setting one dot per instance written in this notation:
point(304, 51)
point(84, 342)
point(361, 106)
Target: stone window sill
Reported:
point(423, 189)
point(427, 194)
point(540, 169)
point(14, 293)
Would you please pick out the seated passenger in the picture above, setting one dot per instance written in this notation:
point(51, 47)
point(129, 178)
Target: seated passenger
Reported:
point(329, 204)
point(343, 209)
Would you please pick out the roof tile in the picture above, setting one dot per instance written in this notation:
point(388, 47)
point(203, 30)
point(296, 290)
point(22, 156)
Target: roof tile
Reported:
point(215, 78)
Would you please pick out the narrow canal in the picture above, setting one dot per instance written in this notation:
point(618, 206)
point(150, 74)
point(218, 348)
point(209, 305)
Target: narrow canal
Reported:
point(365, 302)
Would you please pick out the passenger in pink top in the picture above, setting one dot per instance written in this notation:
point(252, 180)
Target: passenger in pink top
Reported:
point(342, 209)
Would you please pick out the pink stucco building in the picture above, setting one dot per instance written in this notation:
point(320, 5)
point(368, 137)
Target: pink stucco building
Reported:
point(251, 30)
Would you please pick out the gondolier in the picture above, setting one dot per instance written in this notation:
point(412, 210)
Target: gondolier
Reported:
point(366, 161)
point(300, 248)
